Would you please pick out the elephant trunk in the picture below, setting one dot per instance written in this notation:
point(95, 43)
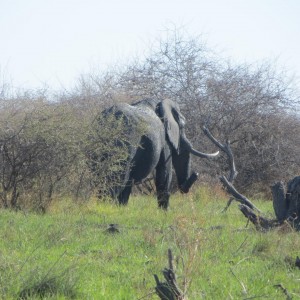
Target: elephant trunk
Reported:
point(185, 187)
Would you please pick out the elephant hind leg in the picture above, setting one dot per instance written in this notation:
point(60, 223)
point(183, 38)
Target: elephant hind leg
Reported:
point(123, 197)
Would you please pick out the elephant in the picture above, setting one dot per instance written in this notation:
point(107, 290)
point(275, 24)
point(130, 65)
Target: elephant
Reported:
point(158, 145)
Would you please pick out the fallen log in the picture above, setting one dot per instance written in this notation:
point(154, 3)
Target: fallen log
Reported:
point(279, 203)
point(260, 222)
point(237, 196)
point(286, 202)
point(286, 207)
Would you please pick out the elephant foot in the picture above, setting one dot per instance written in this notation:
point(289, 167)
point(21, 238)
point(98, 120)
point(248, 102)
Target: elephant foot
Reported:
point(124, 195)
point(184, 188)
point(163, 205)
point(163, 201)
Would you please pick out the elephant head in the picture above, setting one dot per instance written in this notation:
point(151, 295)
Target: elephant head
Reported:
point(182, 148)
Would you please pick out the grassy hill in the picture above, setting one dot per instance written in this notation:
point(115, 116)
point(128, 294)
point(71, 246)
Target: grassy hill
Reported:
point(67, 253)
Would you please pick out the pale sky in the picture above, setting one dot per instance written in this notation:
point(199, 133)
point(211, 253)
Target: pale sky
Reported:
point(54, 41)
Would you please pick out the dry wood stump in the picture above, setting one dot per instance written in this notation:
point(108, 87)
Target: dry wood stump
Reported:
point(169, 290)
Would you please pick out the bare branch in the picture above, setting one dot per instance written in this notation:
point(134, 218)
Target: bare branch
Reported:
point(168, 290)
point(227, 150)
point(260, 222)
point(239, 197)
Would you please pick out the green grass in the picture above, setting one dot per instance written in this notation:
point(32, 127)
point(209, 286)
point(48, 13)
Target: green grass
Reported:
point(67, 254)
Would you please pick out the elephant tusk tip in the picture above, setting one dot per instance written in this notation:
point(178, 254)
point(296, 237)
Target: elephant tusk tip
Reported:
point(215, 154)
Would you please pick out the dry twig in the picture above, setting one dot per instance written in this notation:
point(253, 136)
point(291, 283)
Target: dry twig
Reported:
point(169, 289)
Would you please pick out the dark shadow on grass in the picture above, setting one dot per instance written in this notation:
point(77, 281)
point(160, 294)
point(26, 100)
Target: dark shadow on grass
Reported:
point(48, 287)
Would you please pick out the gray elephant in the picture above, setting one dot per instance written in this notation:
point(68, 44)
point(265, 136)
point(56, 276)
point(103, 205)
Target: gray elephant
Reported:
point(157, 141)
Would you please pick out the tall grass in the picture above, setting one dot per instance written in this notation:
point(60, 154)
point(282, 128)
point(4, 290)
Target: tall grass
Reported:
point(68, 253)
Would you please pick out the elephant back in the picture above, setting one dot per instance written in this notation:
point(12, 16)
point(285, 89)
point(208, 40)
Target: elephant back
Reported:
point(139, 120)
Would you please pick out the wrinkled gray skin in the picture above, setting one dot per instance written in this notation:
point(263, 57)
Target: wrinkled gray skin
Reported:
point(159, 143)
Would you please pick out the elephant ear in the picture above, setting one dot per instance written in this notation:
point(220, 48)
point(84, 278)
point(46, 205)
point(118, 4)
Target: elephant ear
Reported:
point(169, 114)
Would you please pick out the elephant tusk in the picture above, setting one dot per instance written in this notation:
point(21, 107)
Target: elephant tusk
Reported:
point(203, 155)
point(196, 152)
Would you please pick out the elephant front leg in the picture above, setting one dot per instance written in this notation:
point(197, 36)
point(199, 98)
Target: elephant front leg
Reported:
point(163, 199)
point(163, 181)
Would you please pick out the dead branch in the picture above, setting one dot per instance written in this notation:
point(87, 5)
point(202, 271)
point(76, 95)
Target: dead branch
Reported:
point(239, 197)
point(228, 182)
point(227, 150)
point(145, 187)
point(286, 207)
point(228, 204)
point(284, 291)
point(286, 204)
point(261, 223)
point(169, 289)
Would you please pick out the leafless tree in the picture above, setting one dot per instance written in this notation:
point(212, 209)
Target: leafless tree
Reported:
point(251, 105)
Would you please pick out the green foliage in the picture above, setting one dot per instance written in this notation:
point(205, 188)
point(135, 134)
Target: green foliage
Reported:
point(112, 140)
point(38, 149)
point(68, 254)
point(108, 148)
point(46, 151)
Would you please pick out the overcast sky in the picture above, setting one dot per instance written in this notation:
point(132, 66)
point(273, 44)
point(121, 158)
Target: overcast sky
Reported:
point(54, 41)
